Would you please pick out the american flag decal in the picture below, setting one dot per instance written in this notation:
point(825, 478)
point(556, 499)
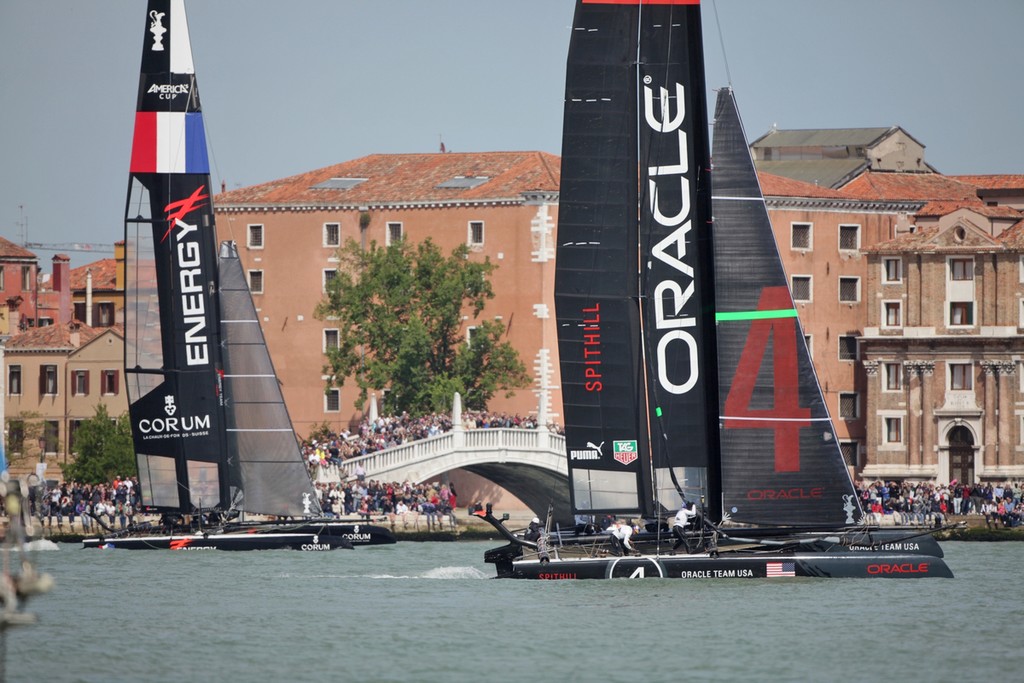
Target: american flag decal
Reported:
point(781, 569)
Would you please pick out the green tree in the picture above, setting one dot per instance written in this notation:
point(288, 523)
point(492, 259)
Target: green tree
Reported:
point(105, 449)
point(399, 311)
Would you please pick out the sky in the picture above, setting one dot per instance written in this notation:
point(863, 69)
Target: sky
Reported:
point(292, 86)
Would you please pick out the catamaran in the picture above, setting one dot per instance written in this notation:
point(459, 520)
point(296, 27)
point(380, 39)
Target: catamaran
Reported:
point(684, 369)
point(211, 431)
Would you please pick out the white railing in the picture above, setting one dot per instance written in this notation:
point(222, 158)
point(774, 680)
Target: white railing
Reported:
point(536, 447)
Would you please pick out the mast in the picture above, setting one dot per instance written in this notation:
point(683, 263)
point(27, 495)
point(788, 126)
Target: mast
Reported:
point(172, 341)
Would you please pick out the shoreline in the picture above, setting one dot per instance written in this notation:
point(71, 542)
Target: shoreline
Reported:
point(471, 528)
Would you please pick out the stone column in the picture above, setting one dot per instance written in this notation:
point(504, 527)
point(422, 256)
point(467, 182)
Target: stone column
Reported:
point(871, 426)
point(989, 439)
point(1004, 431)
point(913, 371)
point(929, 440)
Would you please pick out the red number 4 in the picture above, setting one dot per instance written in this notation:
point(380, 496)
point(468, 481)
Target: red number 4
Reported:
point(786, 417)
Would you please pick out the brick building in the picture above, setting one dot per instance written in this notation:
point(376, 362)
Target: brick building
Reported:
point(910, 288)
point(503, 205)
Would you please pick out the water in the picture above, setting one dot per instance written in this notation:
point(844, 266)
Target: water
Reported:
point(429, 612)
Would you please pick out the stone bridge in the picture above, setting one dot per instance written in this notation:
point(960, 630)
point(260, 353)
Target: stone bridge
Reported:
point(529, 463)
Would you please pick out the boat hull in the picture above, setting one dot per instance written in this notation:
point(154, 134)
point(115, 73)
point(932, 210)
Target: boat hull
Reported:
point(223, 541)
point(356, 534)
point(707, 567)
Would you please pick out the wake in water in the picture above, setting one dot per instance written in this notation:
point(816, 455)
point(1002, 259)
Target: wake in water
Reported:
point(41, 544)
point(436, 573)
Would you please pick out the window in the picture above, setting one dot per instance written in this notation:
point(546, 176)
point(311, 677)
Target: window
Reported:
point(329, 275)
point(255, 237)
point(847, 347)
point(79, 313)
point(330, 340)
point(892, 270)
point(332, 234)
point(893, 376)
point(849, 450)
point(80, 383)
point(73, 426)
point(26, 278)
point(892, 313)
point(2, 283)
point(395, 233)
point(961, 269)
point(470, 333)
point(51, 429)
point(104, 314)
point(960, 377)
point(332, 401)
point(810, 349)
point(16, 435)
point(109, 382)
point(849, 290)
point(801, 286)
point(849, 237)
point(476, 233)
point(256, 281)
point(48, 380)
point(14, 380)
point(894, 430)
point(848, 406)
point(800, 236)
point(961, 313)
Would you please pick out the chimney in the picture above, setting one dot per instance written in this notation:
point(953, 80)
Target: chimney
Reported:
point(62, 288)
point(88, 297)
point(76, 336)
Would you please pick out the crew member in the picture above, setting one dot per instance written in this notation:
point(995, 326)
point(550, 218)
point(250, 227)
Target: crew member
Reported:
point(620, 534)
point(687, 512)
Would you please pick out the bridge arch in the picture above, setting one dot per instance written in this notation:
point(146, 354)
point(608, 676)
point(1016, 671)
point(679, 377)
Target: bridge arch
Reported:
point(528, 463)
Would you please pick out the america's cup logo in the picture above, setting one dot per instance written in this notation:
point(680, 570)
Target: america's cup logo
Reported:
point(156, 27)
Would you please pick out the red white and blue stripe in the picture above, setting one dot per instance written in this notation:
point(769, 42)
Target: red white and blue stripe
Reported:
point(169, 142)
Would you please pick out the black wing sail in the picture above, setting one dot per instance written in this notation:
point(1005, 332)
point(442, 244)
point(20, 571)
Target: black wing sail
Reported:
point(172, 340)
point(596, 287)
point(781, 462)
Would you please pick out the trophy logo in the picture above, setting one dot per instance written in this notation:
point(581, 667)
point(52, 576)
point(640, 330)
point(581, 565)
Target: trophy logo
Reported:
point(156, 27)
point(169, 407)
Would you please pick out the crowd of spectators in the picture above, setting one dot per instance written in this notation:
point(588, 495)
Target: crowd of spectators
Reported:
point(911, 502)
point(385, 432)
point(114, 505)
point(406, 504)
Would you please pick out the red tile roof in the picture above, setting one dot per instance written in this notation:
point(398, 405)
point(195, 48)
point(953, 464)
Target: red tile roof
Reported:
point(410, 178)
point(779, 186)
point(881, 185)
point(1013, 237)
point(104, 275)
point(54, 337)
point(10, 250)
point(992, 182)
point(942, 208)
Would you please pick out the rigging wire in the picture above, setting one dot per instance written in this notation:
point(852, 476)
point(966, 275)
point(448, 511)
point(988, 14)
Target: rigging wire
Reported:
point(721, 42)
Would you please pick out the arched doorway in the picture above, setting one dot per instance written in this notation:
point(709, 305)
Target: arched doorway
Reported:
point(961, 454)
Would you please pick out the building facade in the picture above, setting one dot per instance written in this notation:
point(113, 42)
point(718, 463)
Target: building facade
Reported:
point(55, 377)
point(503, 205)
point(912, 304)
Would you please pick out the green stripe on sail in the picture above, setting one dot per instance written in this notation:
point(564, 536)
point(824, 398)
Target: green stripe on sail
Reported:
point(755, 315)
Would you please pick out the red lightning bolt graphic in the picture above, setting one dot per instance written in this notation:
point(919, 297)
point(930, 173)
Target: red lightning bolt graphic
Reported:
point(179, 543)
point(181, 208)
